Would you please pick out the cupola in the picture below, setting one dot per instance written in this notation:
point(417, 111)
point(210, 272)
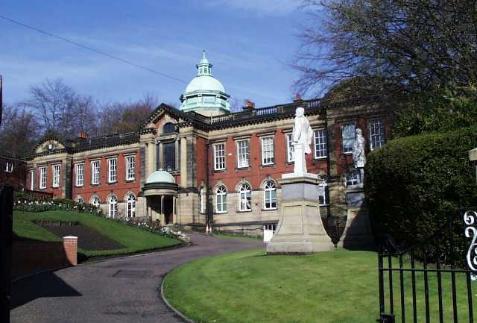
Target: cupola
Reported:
point(205, 94)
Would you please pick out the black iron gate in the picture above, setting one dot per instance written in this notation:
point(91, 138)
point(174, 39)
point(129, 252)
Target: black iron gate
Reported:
point(430, 281)
point(6, 221)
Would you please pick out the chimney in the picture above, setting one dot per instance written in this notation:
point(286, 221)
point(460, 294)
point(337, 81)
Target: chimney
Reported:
point(298, 100)
point(83, 135)
point(249, 105)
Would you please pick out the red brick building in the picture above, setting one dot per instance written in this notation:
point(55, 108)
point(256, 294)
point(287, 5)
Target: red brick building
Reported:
point(12, 172)
point(201, 163)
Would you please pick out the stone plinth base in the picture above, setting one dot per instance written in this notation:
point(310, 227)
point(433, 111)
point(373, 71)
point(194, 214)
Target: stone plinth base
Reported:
point(357, 233)
point(300, 229)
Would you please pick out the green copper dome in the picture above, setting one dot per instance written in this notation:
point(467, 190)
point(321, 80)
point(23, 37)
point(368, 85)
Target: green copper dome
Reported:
point(160, 176)
point(205, 94)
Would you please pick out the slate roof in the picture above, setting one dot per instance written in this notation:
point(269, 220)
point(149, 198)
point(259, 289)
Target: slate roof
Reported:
point(281, 111)
point(79, 145)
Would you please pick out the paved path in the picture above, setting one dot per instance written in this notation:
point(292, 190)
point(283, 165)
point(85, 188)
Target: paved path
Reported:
point(116, 290)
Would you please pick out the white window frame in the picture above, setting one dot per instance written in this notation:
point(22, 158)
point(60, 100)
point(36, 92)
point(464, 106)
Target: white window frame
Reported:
point(348, 149)
point(290, 148)
point(8, 167)
point(130, 168)
point(203, 199)
point(268, 188)
point(95, 201)
point(376, 133)
point(323, 194)
point(32, 179)
point(353, 177)
point(245, 197)
point(268, 150)
point(112, 170)
point(55, 178)
point(79, 173)
point(221, 199)
point(43, 177)
point(131, 206)
point(243, 153)
point(219, 156)
point(112, 207)
point(95, 172)
point(320, 143)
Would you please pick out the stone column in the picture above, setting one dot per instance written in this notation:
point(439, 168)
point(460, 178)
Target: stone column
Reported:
point(160, 155)
point(174, 220)
point(183, 167)
point(300, 229)
point(161, 216)
point(151, 158)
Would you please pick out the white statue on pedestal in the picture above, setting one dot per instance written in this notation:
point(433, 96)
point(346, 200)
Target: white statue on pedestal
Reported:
point(359, 157)
point(302, 136)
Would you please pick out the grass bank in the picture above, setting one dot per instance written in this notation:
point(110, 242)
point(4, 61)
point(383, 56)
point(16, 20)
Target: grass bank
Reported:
point(132, 239)
point(338, 286)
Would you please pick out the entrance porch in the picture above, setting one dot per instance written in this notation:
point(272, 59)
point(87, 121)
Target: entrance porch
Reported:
point(160, 192)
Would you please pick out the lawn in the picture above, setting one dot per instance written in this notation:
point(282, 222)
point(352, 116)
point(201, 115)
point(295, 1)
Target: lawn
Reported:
point(337, 286)
point(132, 239)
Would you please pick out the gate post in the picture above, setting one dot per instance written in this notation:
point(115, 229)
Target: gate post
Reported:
point(6, 222)
point(386, 318)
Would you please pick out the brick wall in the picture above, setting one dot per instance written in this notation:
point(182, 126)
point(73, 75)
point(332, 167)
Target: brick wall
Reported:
point(17, 178)
point(120, 188)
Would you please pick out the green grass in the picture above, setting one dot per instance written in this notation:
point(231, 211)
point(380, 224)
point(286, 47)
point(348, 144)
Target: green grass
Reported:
point(338, 286)
point(134, 239)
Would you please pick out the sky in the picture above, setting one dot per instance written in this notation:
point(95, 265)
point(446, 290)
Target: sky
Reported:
point(251, 44)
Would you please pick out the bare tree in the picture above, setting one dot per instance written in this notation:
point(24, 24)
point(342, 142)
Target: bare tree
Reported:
point(125, 117)
point(61, 109)
point(18, 131)
point(409, 46)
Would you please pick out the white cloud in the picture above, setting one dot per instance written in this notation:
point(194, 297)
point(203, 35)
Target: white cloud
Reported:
point(267, 7)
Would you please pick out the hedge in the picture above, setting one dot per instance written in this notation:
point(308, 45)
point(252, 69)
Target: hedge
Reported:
point(413, 185)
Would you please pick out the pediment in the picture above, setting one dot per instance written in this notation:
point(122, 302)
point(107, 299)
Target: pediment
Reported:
point(163, 115)
point(49, 145)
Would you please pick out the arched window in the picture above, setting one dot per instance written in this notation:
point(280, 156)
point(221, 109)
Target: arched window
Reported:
point(95, 201)
point(221, 199)
point(79, 199)
point(131, 206)
point(245, 197)
point(113, 207)
point(203, 200)
point(169, 128)
point(270, 195)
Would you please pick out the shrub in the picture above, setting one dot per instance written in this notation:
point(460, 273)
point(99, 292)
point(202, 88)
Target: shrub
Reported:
point(25, 202)
point(413, 185)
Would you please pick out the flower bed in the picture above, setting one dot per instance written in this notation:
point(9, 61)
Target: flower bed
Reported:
point(29, 203)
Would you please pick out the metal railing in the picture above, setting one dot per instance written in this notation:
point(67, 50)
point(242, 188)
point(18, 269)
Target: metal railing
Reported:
point(427, 282)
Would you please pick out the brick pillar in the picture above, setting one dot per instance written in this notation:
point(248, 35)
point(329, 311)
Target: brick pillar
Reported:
point(70, 244)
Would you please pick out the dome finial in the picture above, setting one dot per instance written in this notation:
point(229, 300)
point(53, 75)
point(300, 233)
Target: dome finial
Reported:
point(204, 67)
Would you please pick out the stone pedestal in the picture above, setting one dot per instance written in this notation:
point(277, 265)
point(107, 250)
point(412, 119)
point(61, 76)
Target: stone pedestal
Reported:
point(300, 229)
point(357, 233)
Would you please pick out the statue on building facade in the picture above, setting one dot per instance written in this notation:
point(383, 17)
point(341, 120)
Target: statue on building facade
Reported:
point(359, 157)
point(302, 136)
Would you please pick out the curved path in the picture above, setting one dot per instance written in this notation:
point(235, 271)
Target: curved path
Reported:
point(116, 290)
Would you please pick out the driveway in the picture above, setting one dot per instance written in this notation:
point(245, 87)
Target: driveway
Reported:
point(116, 290)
